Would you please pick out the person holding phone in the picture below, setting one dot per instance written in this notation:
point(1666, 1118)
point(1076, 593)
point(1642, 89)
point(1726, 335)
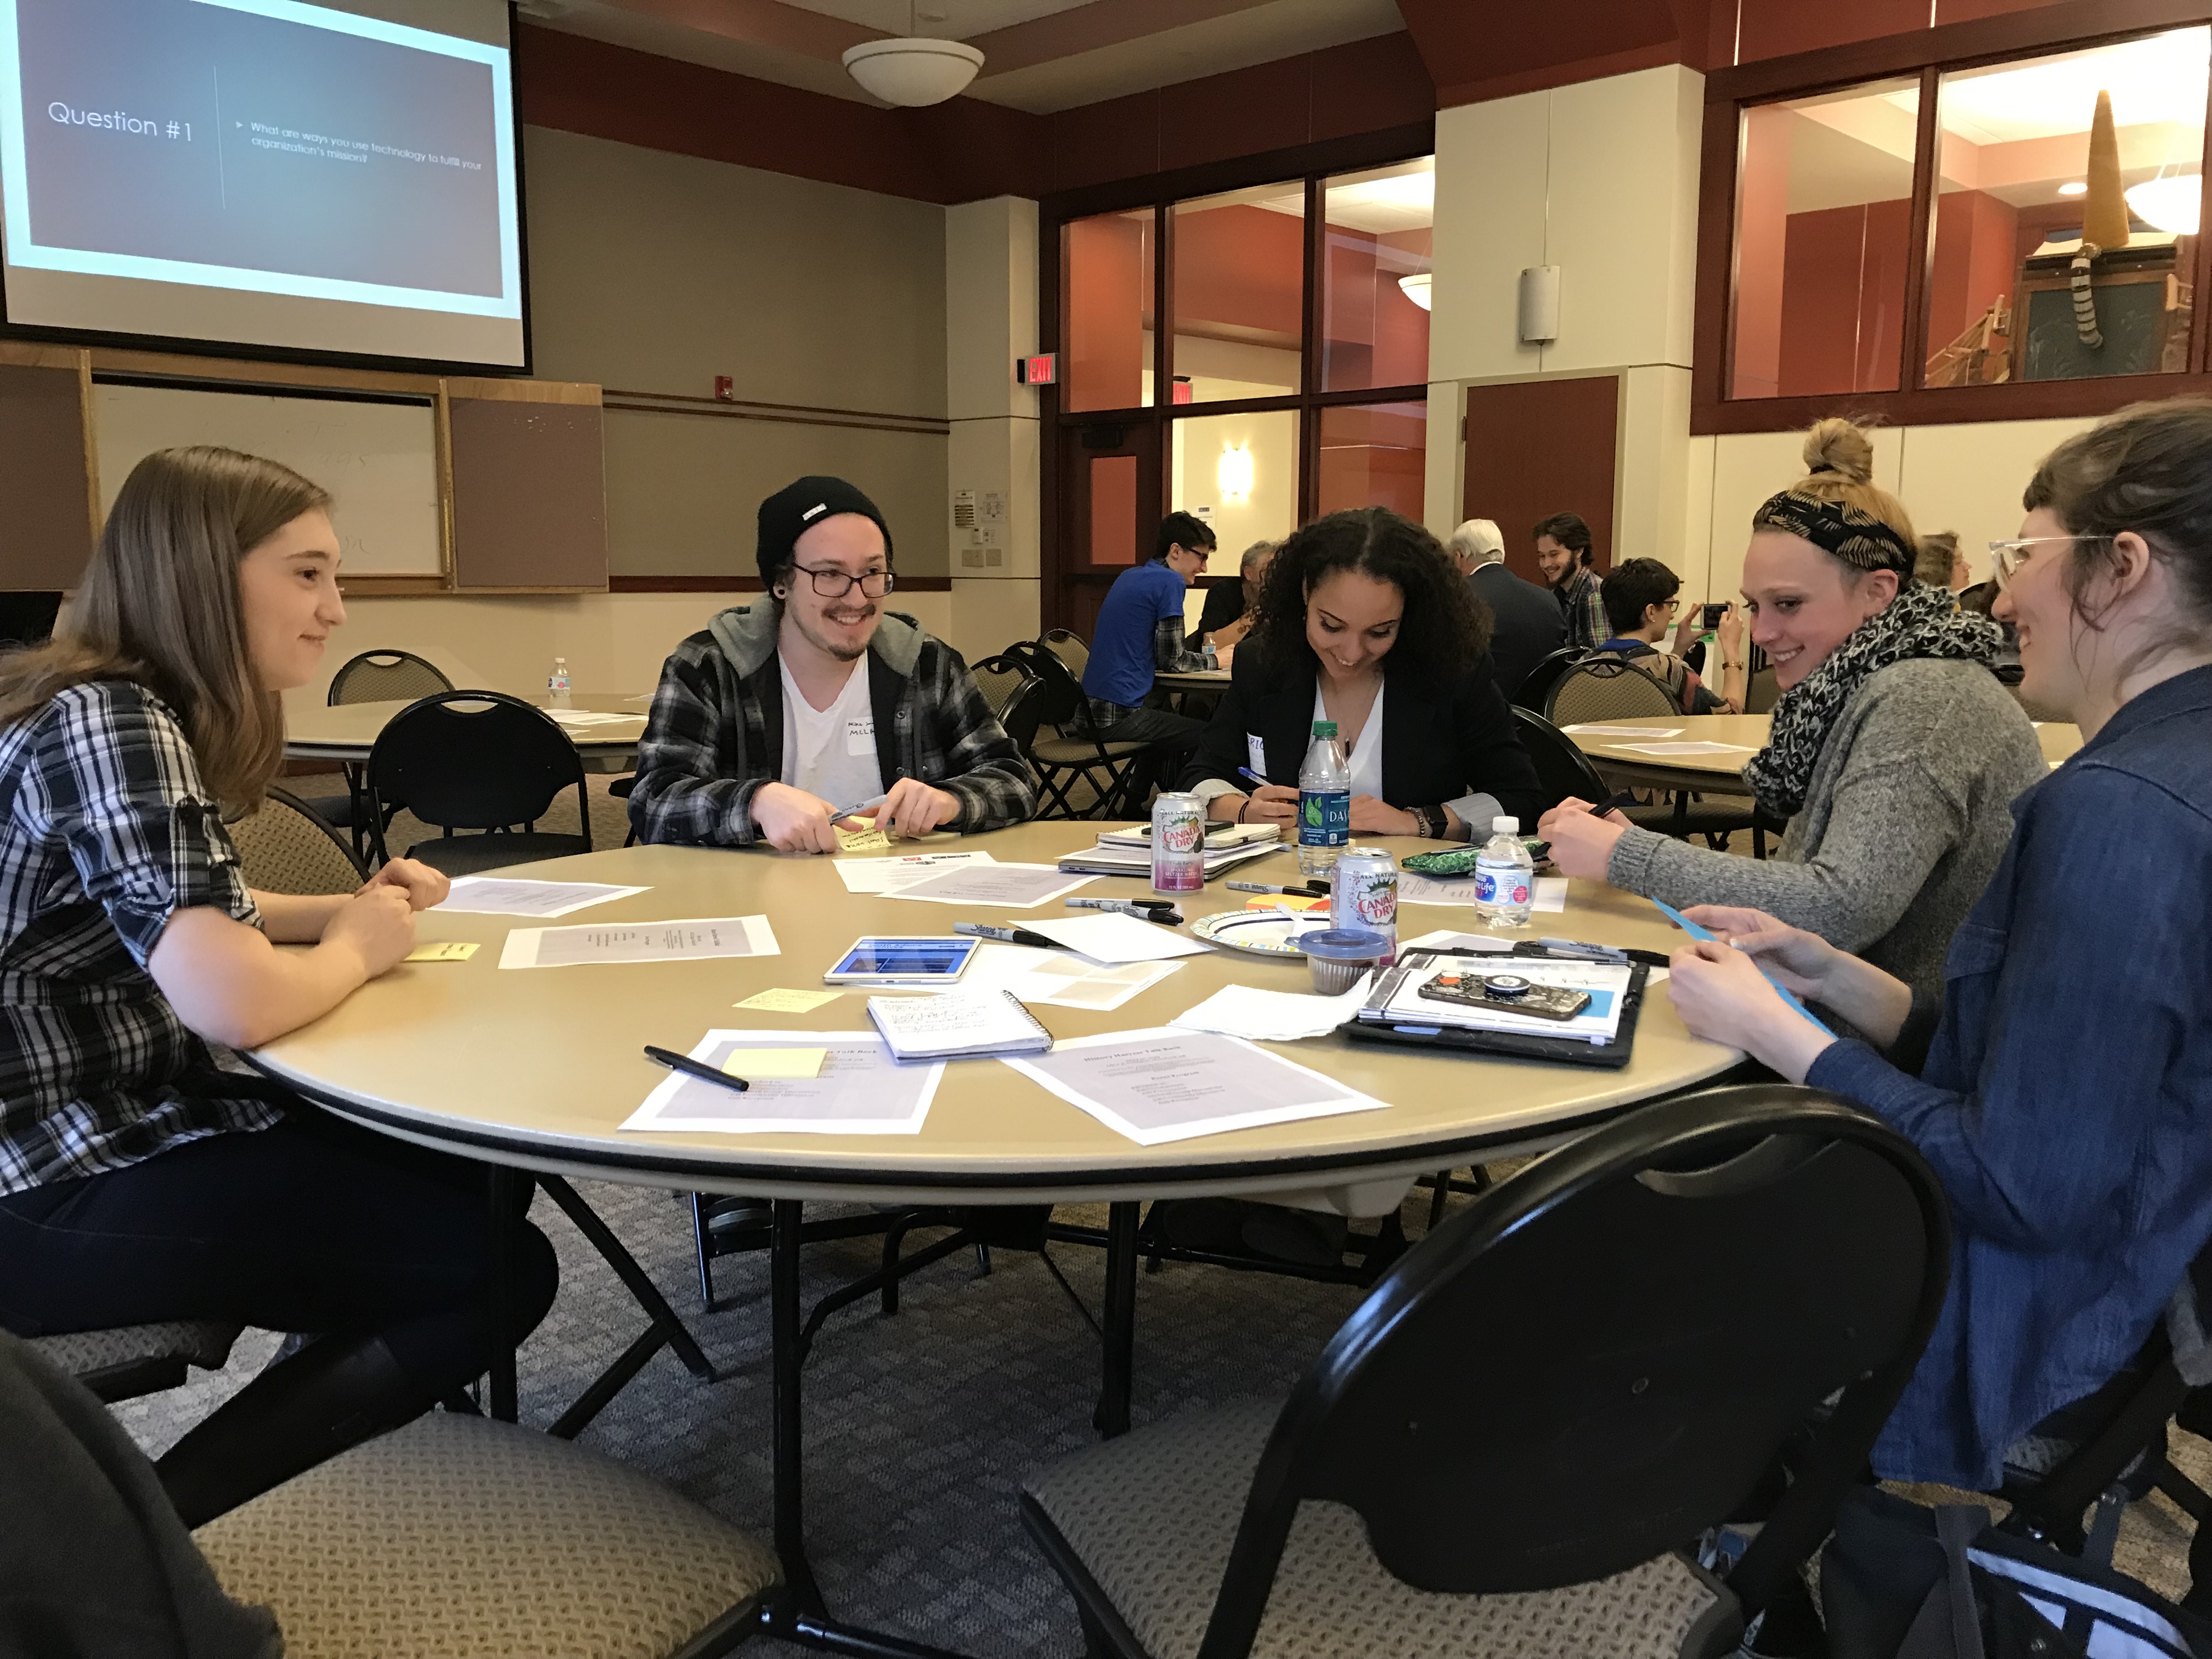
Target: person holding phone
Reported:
point(2065, 1098)
point(1894, 754)
point(1640, 605)
point(146, 1176)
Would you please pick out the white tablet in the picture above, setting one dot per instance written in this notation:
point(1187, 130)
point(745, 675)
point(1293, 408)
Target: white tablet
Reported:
point(899, 959)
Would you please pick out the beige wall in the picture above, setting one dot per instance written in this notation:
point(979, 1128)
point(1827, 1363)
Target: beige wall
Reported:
point(653, 272)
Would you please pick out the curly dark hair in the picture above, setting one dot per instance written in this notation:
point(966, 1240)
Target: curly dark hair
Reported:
point(1446, 628)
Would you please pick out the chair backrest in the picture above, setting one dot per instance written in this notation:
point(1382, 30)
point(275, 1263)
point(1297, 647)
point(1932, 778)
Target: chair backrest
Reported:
point(474, 760)
point(1069, 649)
point(1607, 688)
point(1567, 1344)
point(286, 847)
point(1023, 711)
point(386, 677)
point(1562, 770)
point(1761, 693)
point(1537, 685)
point(998, 679)
point(1063, 686)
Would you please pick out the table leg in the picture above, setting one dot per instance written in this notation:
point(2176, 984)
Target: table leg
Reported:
point(1112, 1417)
point(505, 1195)
point(784, 1404)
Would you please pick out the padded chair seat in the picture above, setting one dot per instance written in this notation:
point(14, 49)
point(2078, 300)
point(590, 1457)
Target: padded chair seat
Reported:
point(468, 855)
point(133, 1360)
point(460, 1536)
point(1150, 1519)
point(1081, 751)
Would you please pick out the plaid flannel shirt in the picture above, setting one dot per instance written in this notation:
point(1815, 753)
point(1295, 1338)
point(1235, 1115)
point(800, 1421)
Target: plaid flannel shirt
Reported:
point(716, 732)
point(1587, 628)
point(106, 832)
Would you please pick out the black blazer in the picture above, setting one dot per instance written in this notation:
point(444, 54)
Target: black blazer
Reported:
point(1436, 747)
point(1526, 625)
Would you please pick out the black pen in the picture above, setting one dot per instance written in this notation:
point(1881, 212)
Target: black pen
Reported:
point(1625, 797)
point(690, 1067)
point(1007, 935)
point(1303, 890)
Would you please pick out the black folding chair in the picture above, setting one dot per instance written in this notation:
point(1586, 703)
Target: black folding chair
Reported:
point(1077, 753)
point(481, 761)
point(1535, 689)
point(1605, 686)
point(1551, 1398)
point(383, 676)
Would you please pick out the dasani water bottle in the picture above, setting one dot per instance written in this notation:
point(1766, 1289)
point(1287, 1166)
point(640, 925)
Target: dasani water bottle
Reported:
point(1324, 801)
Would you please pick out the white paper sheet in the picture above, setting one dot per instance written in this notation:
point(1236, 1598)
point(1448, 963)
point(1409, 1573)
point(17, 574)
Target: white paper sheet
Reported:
point(588, 717)
point(507, 896)
point(1444, 940)
point(688, 940)
point(1700, 747)
point(859, 1090)
point(1551, 893)
point(886, 875)
point(1238, 1011)
point(1071, 982)
point(994, 886)
point(1162, 1085)
point(1111, 936)
point(1587, 730)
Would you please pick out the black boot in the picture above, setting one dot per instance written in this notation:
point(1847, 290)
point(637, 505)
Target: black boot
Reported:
point(332, 1395)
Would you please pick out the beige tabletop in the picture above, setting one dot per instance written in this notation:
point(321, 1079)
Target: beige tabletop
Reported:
point(1628, 759)
point(1195, 679)
point(348, 730)
point(537, 1067)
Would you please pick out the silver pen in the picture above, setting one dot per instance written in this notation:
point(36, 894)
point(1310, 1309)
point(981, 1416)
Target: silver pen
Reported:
point(1158, 911)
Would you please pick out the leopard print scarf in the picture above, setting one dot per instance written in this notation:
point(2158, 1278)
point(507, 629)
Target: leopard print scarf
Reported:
point(1920, 621)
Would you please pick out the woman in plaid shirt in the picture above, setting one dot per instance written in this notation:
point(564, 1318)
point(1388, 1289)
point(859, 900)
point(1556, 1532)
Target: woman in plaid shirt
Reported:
point(141, 1178)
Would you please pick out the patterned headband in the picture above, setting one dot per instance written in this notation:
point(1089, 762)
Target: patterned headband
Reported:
point(1857, 537)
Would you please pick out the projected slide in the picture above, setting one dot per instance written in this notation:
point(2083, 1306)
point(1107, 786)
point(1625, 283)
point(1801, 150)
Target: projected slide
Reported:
point(266, 146)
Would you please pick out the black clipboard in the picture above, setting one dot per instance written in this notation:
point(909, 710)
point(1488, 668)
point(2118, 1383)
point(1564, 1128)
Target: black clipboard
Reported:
point(1369, 1024)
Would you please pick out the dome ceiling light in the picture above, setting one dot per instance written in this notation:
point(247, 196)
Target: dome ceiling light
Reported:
point(911, 71)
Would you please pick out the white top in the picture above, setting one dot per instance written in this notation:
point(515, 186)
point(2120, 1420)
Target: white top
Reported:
point(1366, 759)
point(831, 752)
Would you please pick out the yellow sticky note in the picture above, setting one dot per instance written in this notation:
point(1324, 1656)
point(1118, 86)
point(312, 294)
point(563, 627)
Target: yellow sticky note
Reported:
point(788, 1002)
point(753, 1064)
point(862, 841)
point(452, 951)
point(1284, 901)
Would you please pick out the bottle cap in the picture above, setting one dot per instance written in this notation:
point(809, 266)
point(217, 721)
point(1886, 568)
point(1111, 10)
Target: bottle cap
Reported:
point(1504, 826)
point(1324, 728)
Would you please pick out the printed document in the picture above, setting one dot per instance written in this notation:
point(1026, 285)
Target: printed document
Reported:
point(1273, 1016)
point(999, 886)
point(1112, 936)
point(1164, 1084)
point(859, 1090)
point(887, 875)
point(509, 896)
point(694, 939)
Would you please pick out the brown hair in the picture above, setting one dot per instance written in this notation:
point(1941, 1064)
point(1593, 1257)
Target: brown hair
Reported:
point(1838, 457)
point(159, 605)
point(2147, 469)
point(1939, 551)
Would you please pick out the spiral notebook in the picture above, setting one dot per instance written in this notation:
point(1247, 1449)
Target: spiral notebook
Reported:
point(956, 1025)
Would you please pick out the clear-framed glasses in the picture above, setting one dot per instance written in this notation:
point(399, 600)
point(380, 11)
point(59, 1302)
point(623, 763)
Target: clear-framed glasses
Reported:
point(2006, 557)
point(836, 584)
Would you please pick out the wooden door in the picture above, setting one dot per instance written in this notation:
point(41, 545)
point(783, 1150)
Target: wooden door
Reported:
point(1110, 511)
point(1537, 447)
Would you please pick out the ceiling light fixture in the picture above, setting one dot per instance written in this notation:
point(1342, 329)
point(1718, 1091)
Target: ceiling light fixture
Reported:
point(912, 70)
point(2076, 188)
point(1416, 288)
point(2173, 204)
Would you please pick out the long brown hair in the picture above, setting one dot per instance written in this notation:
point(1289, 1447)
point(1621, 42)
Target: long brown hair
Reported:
point(159, 605)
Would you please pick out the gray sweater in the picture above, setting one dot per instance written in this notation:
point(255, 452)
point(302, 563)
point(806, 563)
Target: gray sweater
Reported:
point(1907, 814)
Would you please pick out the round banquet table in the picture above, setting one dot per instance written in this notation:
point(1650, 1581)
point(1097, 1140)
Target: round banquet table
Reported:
point(538, 1068)
point(1625, 760)
point(348, 730)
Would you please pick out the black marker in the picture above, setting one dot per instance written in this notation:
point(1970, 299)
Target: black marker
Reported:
point(1007, 935)
point(690, 1067)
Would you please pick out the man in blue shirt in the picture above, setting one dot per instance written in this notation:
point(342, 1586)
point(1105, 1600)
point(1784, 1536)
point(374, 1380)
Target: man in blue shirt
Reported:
point(1139, 633)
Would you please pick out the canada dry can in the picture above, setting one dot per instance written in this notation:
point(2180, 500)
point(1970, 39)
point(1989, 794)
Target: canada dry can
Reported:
point(1365, 894)
point(1178, 844)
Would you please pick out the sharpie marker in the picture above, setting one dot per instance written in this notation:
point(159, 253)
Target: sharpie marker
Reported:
point(873, 802)
point(1303, 890)
point(690, 1067)
point(1158, 911)
point(1007, 935)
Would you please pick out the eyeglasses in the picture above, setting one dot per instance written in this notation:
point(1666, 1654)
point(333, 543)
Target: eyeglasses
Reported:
point(2006, 557)
point(836, 584)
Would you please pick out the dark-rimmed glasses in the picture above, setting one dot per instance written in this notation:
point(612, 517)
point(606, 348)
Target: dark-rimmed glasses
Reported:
point(836, 584)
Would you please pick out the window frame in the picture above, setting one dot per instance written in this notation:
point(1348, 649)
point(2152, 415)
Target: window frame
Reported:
point(1310, 165)
point(1928, 54)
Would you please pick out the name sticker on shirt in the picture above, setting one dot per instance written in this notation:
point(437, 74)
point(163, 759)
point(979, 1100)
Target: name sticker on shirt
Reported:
point(860, 735)
point(1257, 752)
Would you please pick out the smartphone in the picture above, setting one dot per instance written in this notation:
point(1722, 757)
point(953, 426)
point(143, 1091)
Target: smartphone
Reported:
point(1511, 994)
point(904, 960)
point(1713, 613)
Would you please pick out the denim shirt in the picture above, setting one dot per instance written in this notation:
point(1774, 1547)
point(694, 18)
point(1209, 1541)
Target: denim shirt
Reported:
point(2066, 1103)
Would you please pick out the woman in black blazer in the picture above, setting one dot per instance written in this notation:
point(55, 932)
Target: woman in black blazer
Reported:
point(1362, 611)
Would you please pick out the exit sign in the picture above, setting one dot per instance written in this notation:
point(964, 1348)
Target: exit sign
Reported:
point(1043, 370)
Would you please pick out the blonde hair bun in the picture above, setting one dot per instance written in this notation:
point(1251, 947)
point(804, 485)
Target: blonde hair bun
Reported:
point(1840, 447)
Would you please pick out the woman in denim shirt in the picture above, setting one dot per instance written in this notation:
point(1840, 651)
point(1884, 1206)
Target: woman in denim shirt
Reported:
point(2066, 1099)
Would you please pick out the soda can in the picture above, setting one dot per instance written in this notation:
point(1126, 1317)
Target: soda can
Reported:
point(1364, 894)
point(1178, 844)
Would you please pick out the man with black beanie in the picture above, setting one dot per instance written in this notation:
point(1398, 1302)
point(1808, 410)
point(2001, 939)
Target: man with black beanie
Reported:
point(767, 727)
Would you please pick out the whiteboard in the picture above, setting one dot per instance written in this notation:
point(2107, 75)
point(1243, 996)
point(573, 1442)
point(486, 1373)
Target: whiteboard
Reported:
point(377, 459)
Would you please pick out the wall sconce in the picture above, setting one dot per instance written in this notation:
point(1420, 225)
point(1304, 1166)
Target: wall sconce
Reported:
point(1234, 473)
point(1416, 288)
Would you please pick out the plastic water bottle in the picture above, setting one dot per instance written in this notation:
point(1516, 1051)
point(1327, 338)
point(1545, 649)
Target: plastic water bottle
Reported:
point(1505, 877)
point(1324, 801)
point(556, 683)
point(1212, 657)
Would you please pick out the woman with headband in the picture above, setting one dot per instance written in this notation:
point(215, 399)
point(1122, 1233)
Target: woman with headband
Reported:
point(1895, 755)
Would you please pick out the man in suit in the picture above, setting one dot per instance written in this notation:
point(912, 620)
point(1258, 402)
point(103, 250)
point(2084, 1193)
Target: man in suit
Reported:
point(1526, 621)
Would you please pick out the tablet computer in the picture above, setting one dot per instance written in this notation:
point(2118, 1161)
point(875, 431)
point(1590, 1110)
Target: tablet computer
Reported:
point(896, 959)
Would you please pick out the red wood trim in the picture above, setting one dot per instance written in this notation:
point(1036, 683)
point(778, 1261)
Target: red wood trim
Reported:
point(1711, 350)
point(750, 585)
point(1544, 79)
point(1164, 334)
point(1352, 155)
point(1310, 325)
point(1920, 236)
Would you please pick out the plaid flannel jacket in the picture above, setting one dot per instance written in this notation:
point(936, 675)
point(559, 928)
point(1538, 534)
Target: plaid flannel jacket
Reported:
point(716, 732)
point(1587, 628)
point(106, 832)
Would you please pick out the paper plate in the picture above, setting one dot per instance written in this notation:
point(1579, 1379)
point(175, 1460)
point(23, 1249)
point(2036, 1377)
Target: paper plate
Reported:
point(1254, 933)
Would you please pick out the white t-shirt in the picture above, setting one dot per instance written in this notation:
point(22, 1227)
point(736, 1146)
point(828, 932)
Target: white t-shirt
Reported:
point(1367, 757)
point(831, 752)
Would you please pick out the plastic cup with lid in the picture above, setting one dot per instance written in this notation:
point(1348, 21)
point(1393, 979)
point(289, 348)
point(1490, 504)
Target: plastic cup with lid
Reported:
point(1338, 956)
